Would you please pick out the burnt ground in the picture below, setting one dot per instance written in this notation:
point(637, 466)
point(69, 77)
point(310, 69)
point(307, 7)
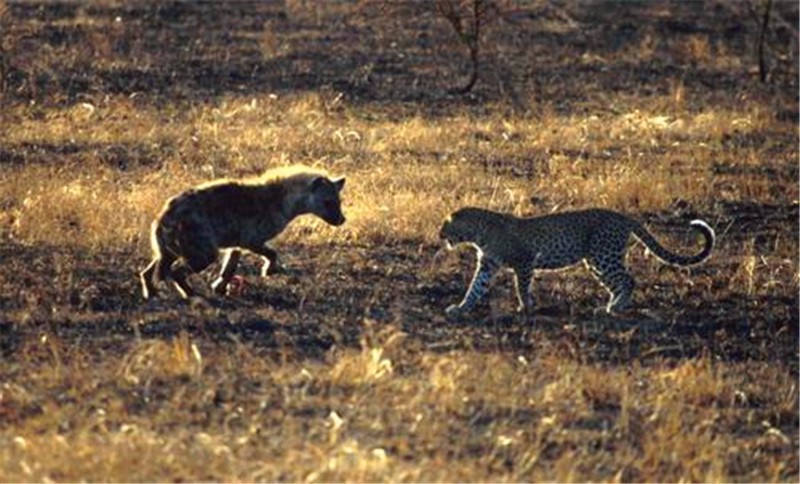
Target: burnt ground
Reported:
point(388, 53)
point(322, 302)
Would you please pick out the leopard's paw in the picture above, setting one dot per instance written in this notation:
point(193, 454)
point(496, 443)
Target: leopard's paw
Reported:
point(454, 311)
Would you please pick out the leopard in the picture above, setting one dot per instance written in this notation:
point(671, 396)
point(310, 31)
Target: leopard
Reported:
point(597, 237)
point(230, 216)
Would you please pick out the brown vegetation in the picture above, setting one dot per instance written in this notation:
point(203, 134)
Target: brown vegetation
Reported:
point(345, 368)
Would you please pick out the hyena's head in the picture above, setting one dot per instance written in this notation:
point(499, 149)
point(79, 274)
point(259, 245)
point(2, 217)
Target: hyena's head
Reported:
point(324, 200)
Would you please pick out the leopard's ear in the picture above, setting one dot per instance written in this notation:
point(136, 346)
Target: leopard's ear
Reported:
point(338, 183)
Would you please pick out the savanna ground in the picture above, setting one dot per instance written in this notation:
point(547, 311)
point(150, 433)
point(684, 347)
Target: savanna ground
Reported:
point(346, 369)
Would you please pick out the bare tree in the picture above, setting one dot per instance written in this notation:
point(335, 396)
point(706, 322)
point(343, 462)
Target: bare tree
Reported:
point(775, 39)
point(762, 35)
point(468, 19)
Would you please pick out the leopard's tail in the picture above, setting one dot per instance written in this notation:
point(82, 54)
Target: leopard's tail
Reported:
point(665, 255)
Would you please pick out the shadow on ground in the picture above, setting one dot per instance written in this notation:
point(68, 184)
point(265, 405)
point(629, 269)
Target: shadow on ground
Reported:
point(319, 307)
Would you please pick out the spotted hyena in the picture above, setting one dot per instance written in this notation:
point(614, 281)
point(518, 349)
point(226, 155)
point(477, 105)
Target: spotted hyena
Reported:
point(231, 215)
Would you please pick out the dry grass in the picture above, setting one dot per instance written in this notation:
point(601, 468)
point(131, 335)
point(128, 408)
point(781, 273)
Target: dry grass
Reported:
point(347, 370)
point(391, 411)
point(407, 174)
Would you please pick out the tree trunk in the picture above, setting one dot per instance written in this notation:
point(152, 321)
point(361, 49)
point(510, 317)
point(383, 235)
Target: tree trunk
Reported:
point(473, 42)
point(762, 63)
point(473, 78)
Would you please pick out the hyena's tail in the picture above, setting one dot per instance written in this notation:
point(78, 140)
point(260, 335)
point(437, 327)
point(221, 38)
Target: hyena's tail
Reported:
point(669, 257)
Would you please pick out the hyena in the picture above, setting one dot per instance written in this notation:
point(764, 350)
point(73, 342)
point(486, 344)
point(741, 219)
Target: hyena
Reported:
point(231, 215)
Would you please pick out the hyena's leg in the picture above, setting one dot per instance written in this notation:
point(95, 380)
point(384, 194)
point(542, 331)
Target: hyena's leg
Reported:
point(183, 269)
point(199, 253)
point(271, 264)
point(147, 278)
point(158, 270)
point(164, 267)
point(484, 272)
point(180, 273)
point(229, 264)
point(523, 287)
point(616, 279)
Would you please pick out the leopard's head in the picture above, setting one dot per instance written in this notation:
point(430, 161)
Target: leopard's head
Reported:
point(462, 227)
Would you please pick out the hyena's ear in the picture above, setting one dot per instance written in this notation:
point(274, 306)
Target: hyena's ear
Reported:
point(320, 181)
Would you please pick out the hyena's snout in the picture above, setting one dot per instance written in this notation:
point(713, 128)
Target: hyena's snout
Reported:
point(337, 217)
point(334, 216)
